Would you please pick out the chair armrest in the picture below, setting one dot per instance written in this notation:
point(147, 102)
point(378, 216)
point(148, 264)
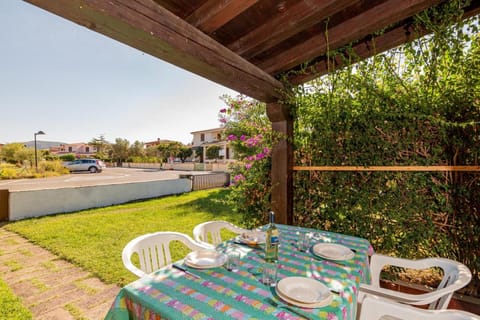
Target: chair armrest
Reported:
point(379, 261)
point(413, 299)
point(131, 267)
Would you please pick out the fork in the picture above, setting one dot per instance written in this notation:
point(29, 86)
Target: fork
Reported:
point(282, 305)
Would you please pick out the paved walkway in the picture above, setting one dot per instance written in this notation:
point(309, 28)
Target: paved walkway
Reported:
point(51, 288)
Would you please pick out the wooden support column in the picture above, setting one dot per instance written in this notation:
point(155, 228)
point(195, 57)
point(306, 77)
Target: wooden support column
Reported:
point(282, 163)
point(4, 196)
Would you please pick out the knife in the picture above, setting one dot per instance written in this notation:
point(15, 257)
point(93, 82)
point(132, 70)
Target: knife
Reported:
point(176, 266)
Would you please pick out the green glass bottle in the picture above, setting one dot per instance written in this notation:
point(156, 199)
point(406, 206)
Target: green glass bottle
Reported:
point(271, 242)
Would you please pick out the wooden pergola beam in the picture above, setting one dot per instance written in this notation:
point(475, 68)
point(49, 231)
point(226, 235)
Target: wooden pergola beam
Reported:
point(301, 16)
point(215, 13)
point(367, 48)
point(358, 27)
point(362, 50)
point(156, 31)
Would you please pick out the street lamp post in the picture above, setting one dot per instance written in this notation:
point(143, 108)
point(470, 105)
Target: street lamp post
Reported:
point(35, 143)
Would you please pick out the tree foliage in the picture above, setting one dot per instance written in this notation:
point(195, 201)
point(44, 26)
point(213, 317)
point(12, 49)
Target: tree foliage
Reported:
point(169, 149)
point(119, 150)
point(137, 149)
point(12, 152)
point(184, 152)
point(213, 152)
point(101, 145)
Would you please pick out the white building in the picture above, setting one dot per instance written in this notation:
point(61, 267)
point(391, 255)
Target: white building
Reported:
point(204, 139)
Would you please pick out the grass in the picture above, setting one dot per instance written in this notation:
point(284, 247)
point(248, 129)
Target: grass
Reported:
point(11, 306)
point(94, 239)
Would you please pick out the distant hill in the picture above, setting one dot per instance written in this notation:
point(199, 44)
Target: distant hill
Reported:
point(42, 144)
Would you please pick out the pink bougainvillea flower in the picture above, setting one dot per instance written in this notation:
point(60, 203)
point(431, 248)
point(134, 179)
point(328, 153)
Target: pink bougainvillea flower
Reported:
point(248, 166)
point(242, 137)
point(260, 156)
point(252, 142)
point(223, 110)
point(239, 177)
point(232, 137)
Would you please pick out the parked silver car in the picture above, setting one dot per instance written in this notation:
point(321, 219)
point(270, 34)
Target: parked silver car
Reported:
point(91, 165)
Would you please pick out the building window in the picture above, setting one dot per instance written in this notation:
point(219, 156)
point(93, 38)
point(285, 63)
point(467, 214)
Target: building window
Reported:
point(87, 149)
point(70, 149)
point(219, 136)
point(202, 137)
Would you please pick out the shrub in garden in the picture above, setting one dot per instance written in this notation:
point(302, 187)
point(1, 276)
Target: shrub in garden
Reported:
point(8, 172)
point(248, 130)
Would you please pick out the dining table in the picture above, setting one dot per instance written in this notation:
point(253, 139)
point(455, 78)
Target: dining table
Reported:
point(217, 293)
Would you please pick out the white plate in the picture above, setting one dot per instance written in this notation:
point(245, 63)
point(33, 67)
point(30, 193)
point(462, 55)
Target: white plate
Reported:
point(304, 292)
point(252, 237)
point(203, 259)
point(333, 251)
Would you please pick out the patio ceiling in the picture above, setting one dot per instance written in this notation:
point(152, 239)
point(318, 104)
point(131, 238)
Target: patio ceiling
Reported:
point(247, 45)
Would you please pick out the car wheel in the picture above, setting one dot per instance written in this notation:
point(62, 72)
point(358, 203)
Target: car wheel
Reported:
point(92, 169)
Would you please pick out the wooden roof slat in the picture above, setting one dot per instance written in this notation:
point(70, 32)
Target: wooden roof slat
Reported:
point(389, 39)
point(297, 18)
point(353, 29)
point(213, 14)
point(157, 31)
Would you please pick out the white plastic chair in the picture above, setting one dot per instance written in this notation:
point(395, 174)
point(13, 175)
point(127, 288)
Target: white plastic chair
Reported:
point(375, 308)
point(455, 276)
point(153, 250)
point(202, 231)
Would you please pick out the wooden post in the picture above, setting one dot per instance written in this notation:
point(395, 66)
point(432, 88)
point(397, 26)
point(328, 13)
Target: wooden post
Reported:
point(4, 195)
point(282, 163)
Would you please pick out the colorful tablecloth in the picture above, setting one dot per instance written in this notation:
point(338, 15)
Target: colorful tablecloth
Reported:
point(221, 294)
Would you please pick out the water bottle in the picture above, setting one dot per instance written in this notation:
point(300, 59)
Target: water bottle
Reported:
point(271, 242)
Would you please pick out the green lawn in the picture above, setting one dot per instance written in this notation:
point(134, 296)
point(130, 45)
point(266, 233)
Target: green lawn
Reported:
point(11, 307)
point(94, 239)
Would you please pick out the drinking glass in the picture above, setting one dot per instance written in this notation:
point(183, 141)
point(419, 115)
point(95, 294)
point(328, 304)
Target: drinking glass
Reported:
point(233, 260)
point(269, 274)
point(304, 240)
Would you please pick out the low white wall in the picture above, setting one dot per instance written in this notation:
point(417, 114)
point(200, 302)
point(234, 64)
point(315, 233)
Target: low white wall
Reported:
point(187, 166)
point(35, 203)
point(221, 166)
point(141, 165)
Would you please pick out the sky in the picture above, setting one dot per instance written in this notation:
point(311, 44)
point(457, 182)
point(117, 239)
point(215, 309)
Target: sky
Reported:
point(76, 85)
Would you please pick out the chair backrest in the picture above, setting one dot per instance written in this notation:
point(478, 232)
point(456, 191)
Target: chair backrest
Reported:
point(375, 308)
point(202, 231)
point(455, 276)
point(153, 251)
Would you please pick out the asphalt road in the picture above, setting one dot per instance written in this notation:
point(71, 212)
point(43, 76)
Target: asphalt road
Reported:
point(108, 176)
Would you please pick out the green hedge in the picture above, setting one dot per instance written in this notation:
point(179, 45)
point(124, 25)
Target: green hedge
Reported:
point(415, 105)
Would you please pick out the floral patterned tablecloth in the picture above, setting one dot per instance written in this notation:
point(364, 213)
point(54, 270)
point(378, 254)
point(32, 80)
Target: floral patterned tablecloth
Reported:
point(221, 294)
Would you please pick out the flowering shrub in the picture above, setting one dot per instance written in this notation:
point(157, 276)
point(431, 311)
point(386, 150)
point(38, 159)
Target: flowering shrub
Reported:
point(249, 132)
